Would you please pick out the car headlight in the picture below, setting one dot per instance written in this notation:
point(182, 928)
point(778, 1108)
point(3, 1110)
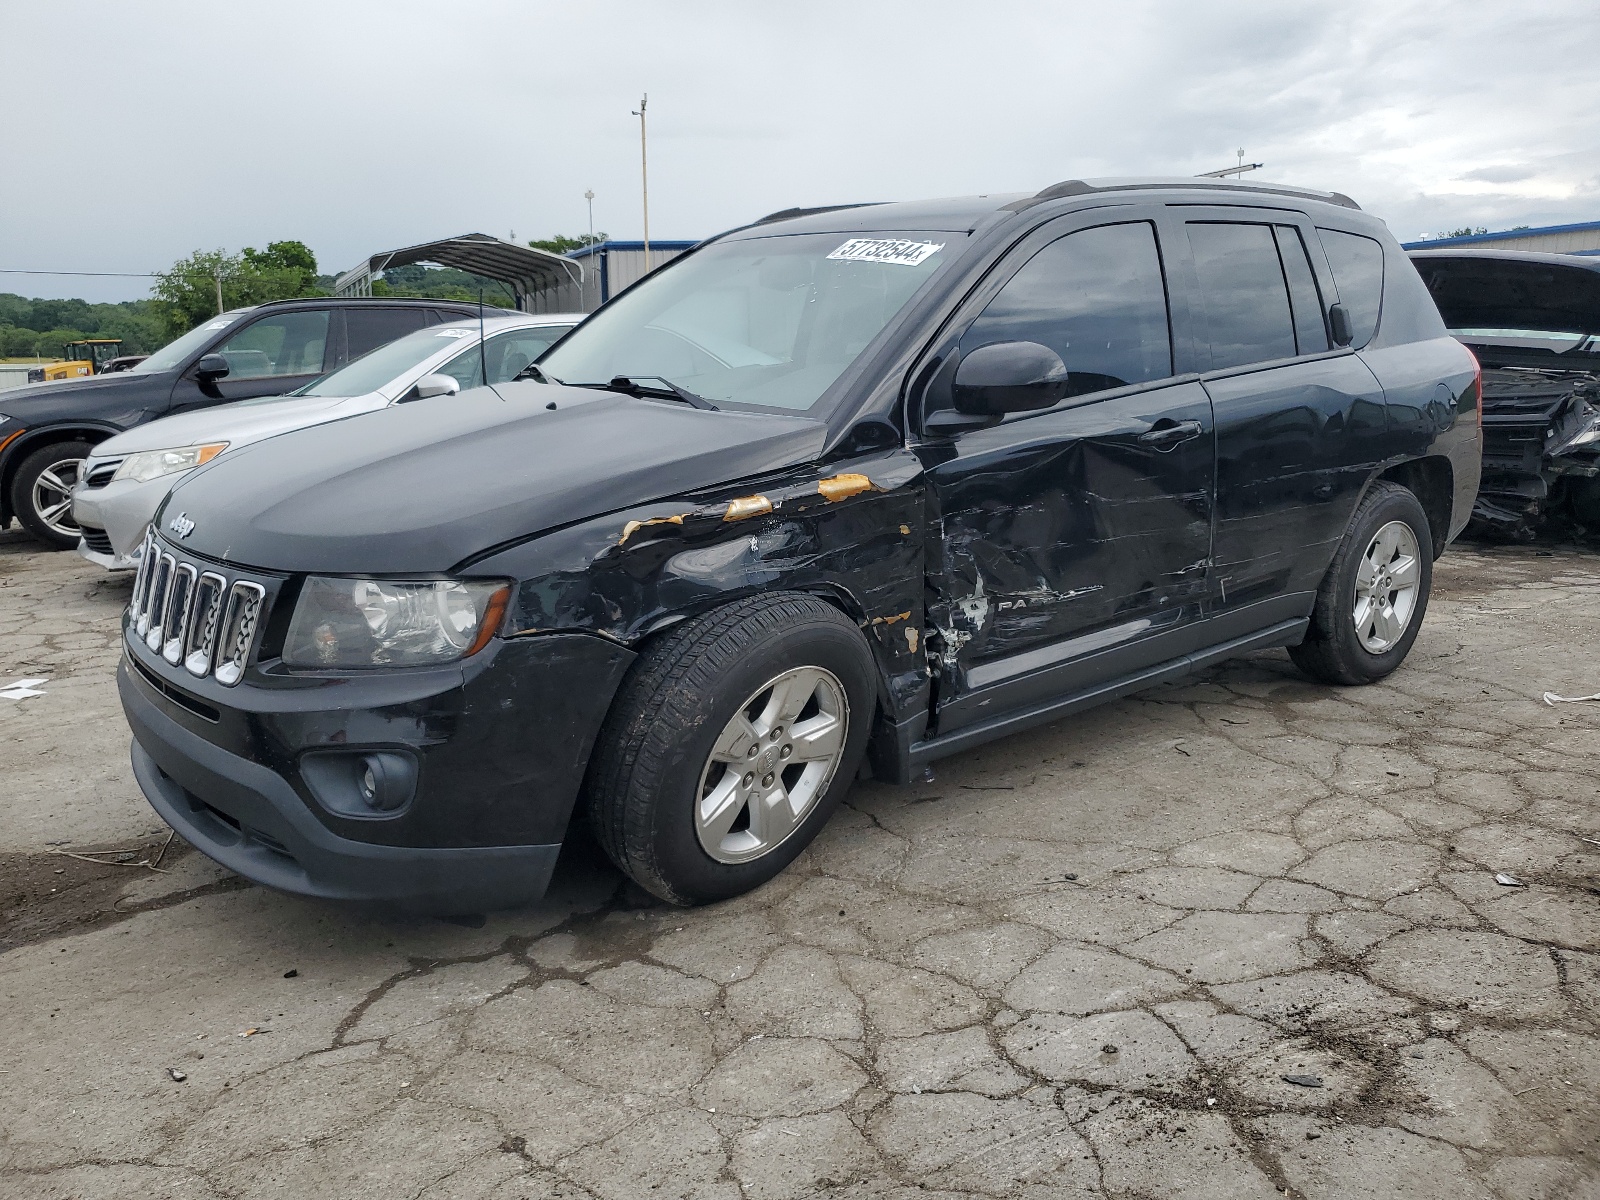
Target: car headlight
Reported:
point(381, 622)
point(152, 464)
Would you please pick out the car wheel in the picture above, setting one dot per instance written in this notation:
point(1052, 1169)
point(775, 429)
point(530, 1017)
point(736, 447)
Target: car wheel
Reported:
point(41, 492)
point(733, 739)
point(1372, 601)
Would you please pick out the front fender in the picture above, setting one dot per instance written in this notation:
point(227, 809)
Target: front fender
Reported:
point(850, 533)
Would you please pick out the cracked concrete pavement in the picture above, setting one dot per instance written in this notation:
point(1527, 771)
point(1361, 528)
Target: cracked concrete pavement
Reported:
point(1081, 962)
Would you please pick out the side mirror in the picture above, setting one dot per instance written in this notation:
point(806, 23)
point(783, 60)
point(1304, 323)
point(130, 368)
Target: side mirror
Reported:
point(437, 385)
point(211, 367)
point(1339, 323)
point(1008, 377)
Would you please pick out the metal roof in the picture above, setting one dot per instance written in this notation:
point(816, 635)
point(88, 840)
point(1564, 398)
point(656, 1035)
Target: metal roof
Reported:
point(1477, 239)
point(655, 244)
point(527, 270)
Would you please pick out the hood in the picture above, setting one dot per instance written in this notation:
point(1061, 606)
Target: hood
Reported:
point(1511, 290)
point(423, 487)
point(18, 402)
point(238, 424)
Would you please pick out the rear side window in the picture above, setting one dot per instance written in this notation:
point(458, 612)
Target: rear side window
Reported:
point(1095, 297)
point(1357, 264)
point(1246, 298)
point(1310, 331)
point(369, 328)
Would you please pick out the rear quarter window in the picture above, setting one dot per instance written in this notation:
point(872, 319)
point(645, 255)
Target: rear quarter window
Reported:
point(1357, 264)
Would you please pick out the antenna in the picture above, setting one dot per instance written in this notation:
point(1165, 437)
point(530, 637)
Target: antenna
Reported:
point(483, 350)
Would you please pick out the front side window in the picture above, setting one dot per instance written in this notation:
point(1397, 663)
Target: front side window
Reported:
point(175, 353)
point(1357, 264)
point(767, 322)
point(289, 343)
point(507, 355)
point(1245, 296)
point(1095, 297)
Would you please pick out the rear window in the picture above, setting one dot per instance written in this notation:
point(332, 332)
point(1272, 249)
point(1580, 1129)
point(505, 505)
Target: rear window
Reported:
point(1357, 264)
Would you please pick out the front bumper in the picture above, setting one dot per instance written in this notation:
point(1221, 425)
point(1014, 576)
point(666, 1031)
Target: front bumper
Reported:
point(123, 509)
point(501, 747)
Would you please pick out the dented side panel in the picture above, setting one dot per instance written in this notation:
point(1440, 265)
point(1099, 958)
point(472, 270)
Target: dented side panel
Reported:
point(851, 533)
point(1070, 523)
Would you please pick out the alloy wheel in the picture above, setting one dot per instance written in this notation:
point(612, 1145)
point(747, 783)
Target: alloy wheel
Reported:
point(52, 495)
point(771, 764)
point(1387, 578)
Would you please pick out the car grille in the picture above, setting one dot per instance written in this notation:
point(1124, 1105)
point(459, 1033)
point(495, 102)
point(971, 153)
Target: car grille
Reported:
point(97, 540)
point(100, 474)
point(194, 617)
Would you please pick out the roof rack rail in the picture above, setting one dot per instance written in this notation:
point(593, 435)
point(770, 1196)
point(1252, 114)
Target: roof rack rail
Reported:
point(1087, 187)
point(788, 214)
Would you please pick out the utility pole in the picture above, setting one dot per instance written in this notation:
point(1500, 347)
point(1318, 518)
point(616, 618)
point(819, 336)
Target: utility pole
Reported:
point(644, 177)
point(218, 278)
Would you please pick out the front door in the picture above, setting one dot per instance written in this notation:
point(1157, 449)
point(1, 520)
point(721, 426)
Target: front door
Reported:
point(271, 356)
point(1071, 545)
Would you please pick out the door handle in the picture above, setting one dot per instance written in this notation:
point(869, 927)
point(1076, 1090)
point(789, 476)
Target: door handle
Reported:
point(1167, 433)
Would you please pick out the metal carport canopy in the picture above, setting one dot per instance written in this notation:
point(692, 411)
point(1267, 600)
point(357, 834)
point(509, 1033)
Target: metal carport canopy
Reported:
point(527, 270)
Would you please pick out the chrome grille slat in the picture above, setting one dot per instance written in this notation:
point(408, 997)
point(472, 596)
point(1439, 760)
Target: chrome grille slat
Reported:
point(238, 631)
point(201, 637)
point(197, 619)
point(180, 609)
point(159, 591)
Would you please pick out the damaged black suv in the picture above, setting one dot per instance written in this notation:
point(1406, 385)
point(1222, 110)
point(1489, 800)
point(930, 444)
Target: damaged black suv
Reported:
point(844, 490)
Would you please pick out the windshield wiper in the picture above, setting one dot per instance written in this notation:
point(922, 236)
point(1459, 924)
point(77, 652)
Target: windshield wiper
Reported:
point(631, 385)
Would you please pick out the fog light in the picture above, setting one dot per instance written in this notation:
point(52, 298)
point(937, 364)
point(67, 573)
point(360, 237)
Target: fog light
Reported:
point(361, 783)
point(386, 781)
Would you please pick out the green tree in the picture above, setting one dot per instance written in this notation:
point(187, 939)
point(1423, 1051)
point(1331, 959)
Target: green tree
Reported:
point(561, 244)
point(188, 293)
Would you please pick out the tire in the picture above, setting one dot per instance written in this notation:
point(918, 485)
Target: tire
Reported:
point(35, 492)
point(662, 780)
point(1335, 649)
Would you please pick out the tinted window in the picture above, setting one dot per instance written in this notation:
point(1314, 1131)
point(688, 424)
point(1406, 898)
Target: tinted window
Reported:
point(1357, 264)
point(1246, 299)
point(1096, 298)
point(1310, 331)
point(288, 343)
point(507, 355)
point(369, 328)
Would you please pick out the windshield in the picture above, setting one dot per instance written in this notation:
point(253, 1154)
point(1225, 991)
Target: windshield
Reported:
point(175, 354)
point(387, 363)
point(767, 322)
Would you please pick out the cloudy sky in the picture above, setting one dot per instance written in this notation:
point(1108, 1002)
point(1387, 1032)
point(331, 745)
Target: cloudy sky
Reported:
point(143, 132)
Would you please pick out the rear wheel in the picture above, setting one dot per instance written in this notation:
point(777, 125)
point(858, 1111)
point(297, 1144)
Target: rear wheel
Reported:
point(1372, 600)
point(41, 492)
point(734, 738)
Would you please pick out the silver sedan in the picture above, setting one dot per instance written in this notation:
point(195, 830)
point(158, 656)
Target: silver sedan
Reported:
point(126, 478)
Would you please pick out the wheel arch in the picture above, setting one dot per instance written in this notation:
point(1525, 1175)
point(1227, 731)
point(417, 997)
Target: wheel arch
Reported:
point(1432, 481)
point(35, 439)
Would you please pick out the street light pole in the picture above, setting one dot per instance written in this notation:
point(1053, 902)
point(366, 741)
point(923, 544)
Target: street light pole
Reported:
point(644, 177)
point(589, 196)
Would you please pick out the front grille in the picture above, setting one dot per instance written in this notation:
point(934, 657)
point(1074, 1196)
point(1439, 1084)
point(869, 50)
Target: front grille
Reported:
point(195, 618)
point(97, 540)
point(100, 474)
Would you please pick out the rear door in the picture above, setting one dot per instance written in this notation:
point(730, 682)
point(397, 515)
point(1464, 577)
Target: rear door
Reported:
point(1070, 545)
point(1300, 424)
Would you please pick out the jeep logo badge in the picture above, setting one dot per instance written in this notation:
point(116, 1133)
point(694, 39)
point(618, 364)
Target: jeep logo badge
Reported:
point(181, 525)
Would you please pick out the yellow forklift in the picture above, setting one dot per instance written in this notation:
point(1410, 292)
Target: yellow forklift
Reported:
point(88, 357)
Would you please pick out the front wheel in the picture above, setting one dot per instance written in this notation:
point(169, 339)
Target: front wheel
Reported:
point(1372, 600)
point(41, 492)
point(732, 741)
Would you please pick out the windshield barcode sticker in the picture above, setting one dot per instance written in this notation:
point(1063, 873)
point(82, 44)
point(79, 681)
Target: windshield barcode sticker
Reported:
point(887, 250)
point(454, 333)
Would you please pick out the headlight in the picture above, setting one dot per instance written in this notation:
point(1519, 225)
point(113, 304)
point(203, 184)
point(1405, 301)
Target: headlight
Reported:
point(379, 622)
point(152, 464)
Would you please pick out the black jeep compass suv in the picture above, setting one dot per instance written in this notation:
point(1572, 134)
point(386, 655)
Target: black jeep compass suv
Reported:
point(861, 486)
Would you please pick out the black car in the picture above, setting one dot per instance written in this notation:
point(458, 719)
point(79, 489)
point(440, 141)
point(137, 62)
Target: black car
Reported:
point(47, 429)
point(845, 489)
point(1533, 320)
